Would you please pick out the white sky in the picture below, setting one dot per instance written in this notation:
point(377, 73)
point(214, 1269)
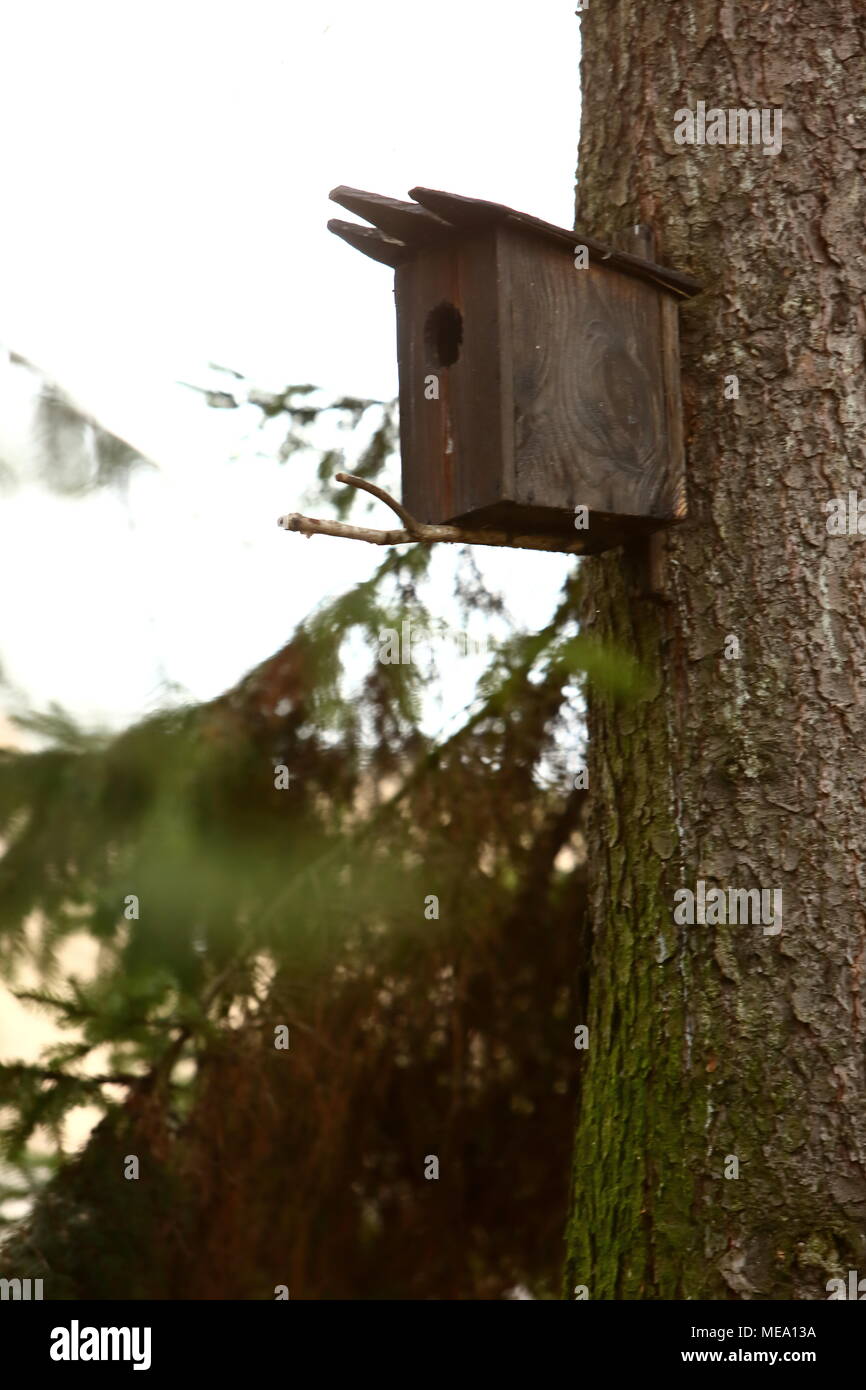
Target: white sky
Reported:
point(165, 170)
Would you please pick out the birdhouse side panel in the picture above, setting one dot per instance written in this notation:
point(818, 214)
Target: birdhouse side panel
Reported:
point(676, 471)
point(454, 399)
point(594, 381)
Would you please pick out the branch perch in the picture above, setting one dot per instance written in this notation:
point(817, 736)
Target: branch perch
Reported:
point(417, 530)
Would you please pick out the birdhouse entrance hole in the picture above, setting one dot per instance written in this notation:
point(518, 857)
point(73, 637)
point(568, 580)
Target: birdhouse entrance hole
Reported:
point(443, 334)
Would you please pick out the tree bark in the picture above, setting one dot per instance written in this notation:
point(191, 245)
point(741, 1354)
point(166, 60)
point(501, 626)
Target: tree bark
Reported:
point(715, 1041)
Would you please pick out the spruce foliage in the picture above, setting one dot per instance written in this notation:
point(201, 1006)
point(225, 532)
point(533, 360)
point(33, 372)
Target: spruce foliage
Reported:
point(226, 906)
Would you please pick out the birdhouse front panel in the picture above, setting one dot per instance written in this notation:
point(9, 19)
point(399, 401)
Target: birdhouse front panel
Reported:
point(456, 435)
point(535, 379)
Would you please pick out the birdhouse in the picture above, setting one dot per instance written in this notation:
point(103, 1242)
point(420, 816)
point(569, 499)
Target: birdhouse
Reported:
point(539, 370)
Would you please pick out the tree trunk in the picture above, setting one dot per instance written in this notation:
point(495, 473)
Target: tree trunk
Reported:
point(710, 1043)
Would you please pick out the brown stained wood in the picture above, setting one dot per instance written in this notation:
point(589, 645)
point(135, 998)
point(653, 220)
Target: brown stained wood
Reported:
point(427, 488)
point(453, 448)
point(505, 361)
point(605, 532)
point(641, 240)
point(459, 210)
point(407, 222)
point(670, 335)
point(677, 281)
point(529, 387)
point(477, 212)
point(648, 552)
point(370, 242)
point(589, 394)
point(481, 388)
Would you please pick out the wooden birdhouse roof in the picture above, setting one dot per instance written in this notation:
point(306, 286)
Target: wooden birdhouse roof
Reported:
point(401, 229)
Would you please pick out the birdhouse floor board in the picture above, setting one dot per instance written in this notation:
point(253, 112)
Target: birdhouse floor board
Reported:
point(605, 529)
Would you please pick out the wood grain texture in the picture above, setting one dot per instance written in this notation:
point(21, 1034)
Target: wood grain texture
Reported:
point(676, 453)
point(590, 411)
point(641, 240)
point(405, 221)
point(564, 392)
point(479, 212)
point(454, 451)
point(370, 242)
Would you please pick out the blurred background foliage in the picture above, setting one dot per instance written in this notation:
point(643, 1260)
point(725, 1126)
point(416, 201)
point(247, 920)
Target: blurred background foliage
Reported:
point(415, 1029)
point(72, 452)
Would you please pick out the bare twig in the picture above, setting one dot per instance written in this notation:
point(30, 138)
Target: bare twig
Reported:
point(353, 480)
point(417, 530)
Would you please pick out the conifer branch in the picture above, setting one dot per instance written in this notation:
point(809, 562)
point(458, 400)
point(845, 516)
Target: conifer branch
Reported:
point(120, 1078)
